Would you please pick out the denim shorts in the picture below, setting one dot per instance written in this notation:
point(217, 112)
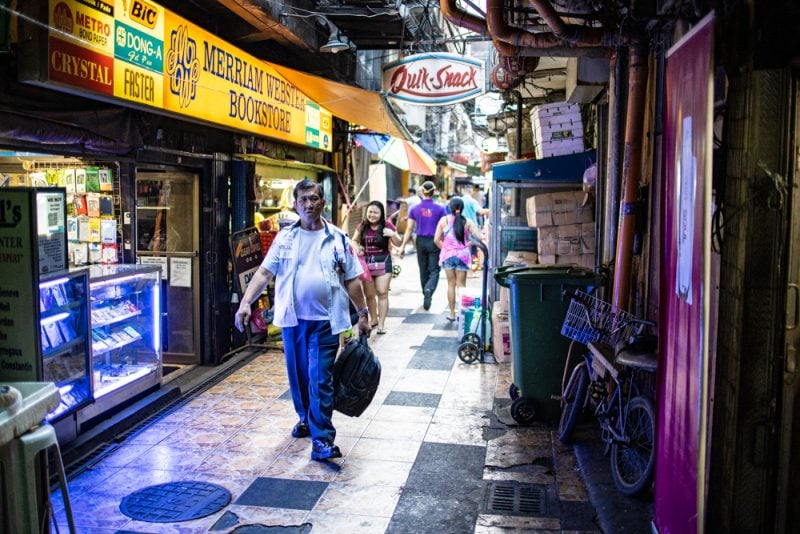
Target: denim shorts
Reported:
point(454, 263)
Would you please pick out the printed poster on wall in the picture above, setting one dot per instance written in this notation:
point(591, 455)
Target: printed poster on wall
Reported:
point(155, 260)
point(180, 272)
point(680, 481)
point(18, 350)
point(246, 254)
point(51, 218)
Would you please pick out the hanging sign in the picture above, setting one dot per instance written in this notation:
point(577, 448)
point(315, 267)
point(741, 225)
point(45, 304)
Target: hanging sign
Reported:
point(434, 79)
point(138, 52)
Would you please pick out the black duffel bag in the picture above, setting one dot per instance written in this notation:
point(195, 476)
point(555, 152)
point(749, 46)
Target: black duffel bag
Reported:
point(356, 375)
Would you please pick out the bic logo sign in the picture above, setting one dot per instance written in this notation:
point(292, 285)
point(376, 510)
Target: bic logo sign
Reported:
point(143, 13)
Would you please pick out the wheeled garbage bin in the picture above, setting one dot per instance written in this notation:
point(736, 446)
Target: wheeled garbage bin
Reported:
point(538, 350)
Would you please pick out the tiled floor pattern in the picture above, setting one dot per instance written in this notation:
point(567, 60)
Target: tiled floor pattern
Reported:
point(418, 460)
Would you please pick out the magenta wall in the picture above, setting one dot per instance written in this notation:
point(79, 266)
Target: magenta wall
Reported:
point(682, 321)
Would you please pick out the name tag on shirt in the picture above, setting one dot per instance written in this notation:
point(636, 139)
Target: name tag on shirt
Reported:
point(285, 251)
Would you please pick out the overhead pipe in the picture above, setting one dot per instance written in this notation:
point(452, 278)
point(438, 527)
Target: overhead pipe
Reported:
point(509, 53)
point(549, 43)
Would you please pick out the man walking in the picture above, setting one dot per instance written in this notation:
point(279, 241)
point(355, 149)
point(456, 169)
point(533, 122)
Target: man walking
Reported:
point(316, 271)
point(424, 217)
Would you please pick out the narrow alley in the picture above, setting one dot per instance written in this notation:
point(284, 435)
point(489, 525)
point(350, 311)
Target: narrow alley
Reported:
point(437, 451)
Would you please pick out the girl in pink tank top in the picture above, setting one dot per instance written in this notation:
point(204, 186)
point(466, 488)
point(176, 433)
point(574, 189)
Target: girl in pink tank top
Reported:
point(452, 236)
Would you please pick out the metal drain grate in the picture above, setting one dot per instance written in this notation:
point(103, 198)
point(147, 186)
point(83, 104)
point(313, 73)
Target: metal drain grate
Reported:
point(175, 501)
point(512, 498)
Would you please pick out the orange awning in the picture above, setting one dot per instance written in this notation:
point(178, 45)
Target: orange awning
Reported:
point(353, 104)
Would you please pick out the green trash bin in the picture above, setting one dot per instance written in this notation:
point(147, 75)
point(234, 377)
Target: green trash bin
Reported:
point(538, 350)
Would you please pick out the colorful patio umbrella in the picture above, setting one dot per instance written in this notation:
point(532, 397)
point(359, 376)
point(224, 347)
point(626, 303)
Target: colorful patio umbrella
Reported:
point(408, 156)
point(372, 142)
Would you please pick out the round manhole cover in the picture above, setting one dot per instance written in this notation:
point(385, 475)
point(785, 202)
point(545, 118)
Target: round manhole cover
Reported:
point(175, 501)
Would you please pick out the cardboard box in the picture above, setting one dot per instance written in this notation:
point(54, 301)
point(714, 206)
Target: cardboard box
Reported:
point(520, 257)
point(569, 239)
point(588, 238)
point(501, 305)
point(556, 209)
point(501, 337)
point(581, 260)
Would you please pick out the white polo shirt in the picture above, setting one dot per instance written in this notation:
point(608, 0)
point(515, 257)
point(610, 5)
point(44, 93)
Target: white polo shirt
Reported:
point(336, 261)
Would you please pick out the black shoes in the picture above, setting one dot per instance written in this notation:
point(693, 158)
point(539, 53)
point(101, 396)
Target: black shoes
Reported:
point(426, 302)
point(301, 430)
point(323, 449)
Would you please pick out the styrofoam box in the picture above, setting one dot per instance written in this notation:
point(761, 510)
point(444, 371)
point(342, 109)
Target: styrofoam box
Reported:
point(559, 147)
point(557, 130)
point(569, 119)
point(544, 111)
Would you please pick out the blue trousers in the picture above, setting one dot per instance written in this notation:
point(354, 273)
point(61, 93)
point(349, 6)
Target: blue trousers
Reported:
point(310, 349)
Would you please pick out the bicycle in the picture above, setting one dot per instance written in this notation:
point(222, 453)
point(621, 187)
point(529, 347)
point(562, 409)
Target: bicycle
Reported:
point(621, 352)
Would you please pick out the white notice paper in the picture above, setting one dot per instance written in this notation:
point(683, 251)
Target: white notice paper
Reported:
point(180, 272)
point(153, 260)
point(687, 184)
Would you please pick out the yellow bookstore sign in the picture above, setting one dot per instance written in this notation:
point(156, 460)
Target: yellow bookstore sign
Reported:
point(140, 52)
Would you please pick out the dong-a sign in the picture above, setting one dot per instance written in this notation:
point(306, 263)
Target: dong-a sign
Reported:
point(434, 79)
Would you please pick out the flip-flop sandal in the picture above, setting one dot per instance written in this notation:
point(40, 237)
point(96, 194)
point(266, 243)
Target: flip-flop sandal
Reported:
point(451, 318)
point(381, 331)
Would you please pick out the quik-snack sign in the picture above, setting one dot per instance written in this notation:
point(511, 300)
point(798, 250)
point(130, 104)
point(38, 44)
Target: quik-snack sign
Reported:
point(434, 79)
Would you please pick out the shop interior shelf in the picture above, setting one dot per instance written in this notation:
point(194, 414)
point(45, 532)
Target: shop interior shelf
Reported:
point(116, 319)
point(115, 347)
point(63, 348)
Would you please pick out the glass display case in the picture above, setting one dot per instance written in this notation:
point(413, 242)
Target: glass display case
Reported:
point(64, 339)
point(125, 320)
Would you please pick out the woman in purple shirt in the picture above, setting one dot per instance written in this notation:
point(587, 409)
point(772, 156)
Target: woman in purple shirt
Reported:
point(374, 238)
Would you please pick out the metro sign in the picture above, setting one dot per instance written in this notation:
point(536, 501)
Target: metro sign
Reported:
point(434, 79)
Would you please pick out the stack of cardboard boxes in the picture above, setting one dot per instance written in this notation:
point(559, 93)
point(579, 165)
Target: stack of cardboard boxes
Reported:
point(557, 129)
point(566, 232)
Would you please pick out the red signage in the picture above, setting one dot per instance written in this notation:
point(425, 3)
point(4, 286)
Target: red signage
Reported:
point(434, 79)
point(73, 65)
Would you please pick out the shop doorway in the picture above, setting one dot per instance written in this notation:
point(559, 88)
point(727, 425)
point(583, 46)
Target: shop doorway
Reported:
point(167, 234)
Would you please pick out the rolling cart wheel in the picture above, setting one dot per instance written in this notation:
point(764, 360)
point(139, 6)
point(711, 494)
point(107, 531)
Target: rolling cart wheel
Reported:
point(396, 270)
point(468, 352)
point(522, 410)
point(473, 338)
point(513, 392)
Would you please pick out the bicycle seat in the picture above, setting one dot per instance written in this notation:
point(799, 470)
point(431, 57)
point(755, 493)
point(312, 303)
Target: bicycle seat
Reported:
point(630, 357)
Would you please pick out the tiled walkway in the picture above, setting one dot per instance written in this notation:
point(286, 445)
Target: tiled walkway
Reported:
point(424, 457)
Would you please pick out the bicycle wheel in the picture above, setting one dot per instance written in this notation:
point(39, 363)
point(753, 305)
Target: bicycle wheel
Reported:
point(574, 398)
point(632, 461)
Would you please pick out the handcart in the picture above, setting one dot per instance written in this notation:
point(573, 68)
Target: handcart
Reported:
point(473, 344)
